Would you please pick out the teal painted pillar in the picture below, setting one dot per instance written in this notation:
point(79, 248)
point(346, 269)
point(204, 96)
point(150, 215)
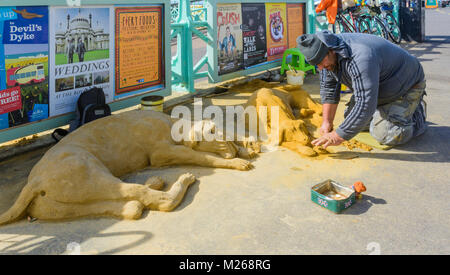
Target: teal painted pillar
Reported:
point(311, 16)
point(182, 65)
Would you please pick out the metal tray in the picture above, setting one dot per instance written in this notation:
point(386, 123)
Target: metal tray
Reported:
point(332, 196)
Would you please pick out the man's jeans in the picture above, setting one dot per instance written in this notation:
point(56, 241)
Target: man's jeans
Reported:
point(399, 121)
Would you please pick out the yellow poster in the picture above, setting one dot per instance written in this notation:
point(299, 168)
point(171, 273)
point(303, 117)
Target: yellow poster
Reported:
point(139, 59)
point(296, 23)
point(276, 26)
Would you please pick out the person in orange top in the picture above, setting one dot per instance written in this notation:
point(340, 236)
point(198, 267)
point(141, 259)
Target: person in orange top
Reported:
point(331, 6)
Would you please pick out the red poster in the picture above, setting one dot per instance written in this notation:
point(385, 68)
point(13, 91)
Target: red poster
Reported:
point(10, 100)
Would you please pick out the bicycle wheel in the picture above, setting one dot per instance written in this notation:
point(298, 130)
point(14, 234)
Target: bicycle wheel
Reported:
point(377, 27)
point(393, 28)
point(338, 26)
point(363, 25)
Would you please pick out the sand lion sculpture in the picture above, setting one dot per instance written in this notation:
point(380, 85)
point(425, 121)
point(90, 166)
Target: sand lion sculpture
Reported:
point(299, 115)
point(79, 176)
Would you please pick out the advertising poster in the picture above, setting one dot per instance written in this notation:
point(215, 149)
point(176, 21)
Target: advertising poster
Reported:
point(81, 43)
point(276, 30)
point(295, 23)
point(254, 34)
point(23, 65)
point(139, 54)
point(229, 38)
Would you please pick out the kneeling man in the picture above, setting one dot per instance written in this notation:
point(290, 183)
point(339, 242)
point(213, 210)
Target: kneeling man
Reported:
point(388, 86)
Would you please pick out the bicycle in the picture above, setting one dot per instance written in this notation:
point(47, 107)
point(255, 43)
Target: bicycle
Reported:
point(377, 26)
point(350, 22)
point(385, 12)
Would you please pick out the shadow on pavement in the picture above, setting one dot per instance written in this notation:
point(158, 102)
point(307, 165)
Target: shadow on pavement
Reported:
point(432, 146)
point(31, 239)
point(431, 46)
point(363, 205)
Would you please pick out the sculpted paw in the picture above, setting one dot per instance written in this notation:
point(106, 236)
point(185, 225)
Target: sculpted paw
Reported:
point(295, 131)
point(156, 183)
point(255, 146)
point(132, 210)
point(241, 164)
point(306, 151)
point(224, 148)
point(187, 179)
point(320, 150)
point(246, 153)
point(306, 112)
point(251, 145)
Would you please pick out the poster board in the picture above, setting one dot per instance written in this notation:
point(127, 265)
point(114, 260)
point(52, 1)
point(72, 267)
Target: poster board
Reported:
point(254, 34)
point(295, 22)
point(431, 4)
point(23, 65)
point(229, 38)
point(276, 29)
point(139, 55)
point(82, 47)
point(277, 34)
point(46, 116)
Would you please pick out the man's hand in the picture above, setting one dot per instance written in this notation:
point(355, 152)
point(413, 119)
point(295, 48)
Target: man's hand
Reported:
point(328, 139)
point(325, 128)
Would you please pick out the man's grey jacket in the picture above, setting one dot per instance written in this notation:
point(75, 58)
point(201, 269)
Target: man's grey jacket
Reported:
point(376, 70)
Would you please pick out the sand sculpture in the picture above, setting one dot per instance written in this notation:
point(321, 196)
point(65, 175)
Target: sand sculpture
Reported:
point(79, 176)
point(299, 115)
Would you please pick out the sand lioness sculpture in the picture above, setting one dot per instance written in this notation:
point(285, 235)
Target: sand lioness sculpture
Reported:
point(79, 176)
point(299, 115)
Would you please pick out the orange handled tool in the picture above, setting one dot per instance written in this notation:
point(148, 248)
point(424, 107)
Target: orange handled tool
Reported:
point(359, 187)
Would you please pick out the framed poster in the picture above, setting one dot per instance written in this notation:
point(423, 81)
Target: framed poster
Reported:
point(139, 53)
point(431, 4)
point(23, 65)
point(254, 34)
point(276, 30)
point(295, 23)
point(229, 38)
point(81, 46)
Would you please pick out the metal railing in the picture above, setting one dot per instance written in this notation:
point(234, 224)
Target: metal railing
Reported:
point(196, 10)
point(187, 21)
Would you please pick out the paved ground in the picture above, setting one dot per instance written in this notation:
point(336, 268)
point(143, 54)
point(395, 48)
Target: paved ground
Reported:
point(268, 210)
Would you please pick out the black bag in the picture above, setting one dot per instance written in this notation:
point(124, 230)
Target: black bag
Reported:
point(91, 105)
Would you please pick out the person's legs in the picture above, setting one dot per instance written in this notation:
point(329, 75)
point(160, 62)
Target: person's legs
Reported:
point(398, 122)
point(419, 118)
